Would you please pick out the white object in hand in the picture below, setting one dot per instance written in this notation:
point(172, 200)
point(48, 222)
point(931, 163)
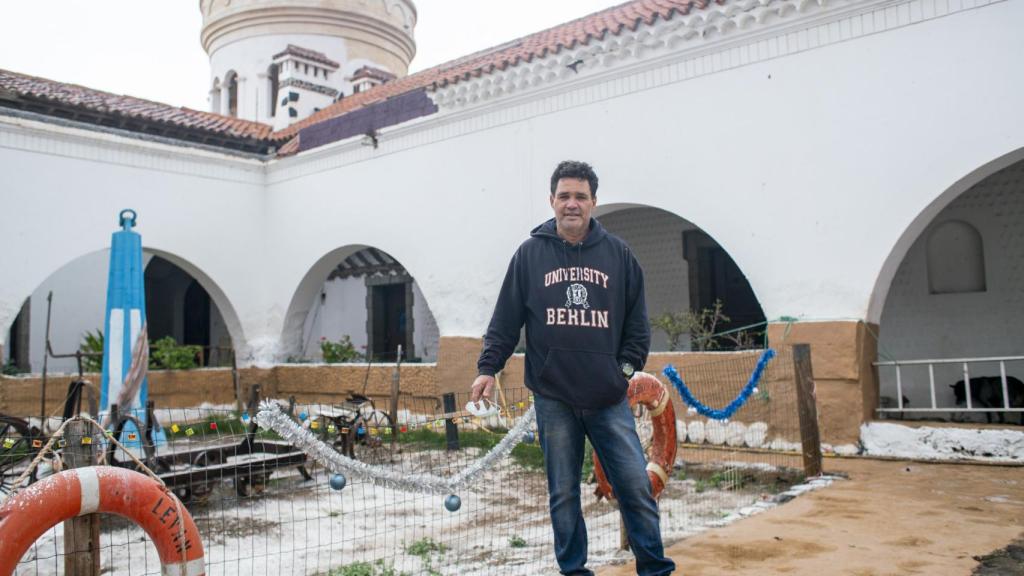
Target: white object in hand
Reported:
point(482, 408)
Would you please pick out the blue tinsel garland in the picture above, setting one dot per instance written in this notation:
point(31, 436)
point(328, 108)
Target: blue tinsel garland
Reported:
point(733, 406)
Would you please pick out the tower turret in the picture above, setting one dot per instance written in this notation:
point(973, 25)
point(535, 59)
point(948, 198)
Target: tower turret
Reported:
point(278, 61)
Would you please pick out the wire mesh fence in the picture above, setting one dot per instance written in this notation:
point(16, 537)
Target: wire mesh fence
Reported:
point(263, 507)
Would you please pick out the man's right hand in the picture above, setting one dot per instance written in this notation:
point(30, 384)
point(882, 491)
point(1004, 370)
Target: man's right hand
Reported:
point(483, 387)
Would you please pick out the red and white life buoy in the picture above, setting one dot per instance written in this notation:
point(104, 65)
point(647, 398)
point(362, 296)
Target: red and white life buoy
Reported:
point(25, 516)
point(645, 389)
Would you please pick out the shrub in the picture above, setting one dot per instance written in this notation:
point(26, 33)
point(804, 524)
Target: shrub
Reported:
point(340, 351)
point(167, 354)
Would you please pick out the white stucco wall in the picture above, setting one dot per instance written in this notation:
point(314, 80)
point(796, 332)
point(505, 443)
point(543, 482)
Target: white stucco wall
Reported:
point(917, 324)
point(62, 192)
point(807, 152)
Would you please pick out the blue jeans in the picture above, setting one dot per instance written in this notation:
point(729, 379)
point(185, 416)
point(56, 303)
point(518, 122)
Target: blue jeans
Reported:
point(612, 432)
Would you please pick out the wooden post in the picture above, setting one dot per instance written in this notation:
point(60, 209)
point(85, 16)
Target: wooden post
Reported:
point(81, 534)
point(451, 431)
point(396, 384)
point(237, 383)
point(810, 439)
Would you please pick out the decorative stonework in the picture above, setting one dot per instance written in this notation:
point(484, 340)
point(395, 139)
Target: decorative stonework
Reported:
point(319, 89)
point(717, 28)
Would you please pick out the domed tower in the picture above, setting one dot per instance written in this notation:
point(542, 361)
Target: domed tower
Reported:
point(278, 61)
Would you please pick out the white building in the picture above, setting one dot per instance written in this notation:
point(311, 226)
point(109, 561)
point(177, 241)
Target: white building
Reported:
point(855, 166)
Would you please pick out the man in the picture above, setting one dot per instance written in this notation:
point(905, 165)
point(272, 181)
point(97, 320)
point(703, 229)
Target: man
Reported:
point(580, 292)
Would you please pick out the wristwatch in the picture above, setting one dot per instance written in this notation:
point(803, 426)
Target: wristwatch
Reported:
point(627, 370)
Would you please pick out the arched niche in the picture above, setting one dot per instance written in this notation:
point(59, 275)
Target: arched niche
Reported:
point(685, 269)
point(366, 295)
point(955, 258)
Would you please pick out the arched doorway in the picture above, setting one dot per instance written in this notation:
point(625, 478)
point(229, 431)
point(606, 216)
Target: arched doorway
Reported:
point(177, 305)
point(687, 271)
point(363, 298)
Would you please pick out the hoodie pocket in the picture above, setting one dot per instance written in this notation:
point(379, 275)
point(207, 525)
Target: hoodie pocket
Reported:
point(582, 379)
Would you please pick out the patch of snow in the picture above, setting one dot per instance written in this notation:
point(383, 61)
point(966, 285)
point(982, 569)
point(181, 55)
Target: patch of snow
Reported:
point(928, 443)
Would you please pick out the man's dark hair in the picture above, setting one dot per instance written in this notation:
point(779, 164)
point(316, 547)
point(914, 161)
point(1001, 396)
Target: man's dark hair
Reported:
point(577, 170)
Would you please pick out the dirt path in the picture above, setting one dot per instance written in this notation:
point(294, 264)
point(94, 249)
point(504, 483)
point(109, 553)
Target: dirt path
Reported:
point(888, 518)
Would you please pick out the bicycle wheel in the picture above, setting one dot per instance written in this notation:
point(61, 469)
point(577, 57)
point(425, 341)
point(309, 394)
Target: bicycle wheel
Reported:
point(374, 436)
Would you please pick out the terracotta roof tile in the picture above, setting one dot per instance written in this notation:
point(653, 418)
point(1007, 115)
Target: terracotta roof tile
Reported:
point(629, 15)
point(24, 87)
point(612, 20)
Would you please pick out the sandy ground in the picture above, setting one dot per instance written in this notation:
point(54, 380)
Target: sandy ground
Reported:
point(888, 518)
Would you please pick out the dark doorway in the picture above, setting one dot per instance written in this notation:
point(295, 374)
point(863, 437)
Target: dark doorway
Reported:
point(18, 339)
point(389, 322)
point(197, 317)
point(177, 306)
point(715, 276)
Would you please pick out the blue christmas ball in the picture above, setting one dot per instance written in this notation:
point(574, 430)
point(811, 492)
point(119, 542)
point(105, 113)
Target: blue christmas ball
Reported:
point(528, 437)
point(452, 502)
point(338, 481)
point(303, 416)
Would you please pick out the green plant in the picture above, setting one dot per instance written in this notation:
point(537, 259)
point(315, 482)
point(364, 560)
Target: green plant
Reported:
point(516, 541)
point(378, 568)
point(341, 351)
point(92, 343)
point(424, 547)
point(167, 354)
point(11, 369)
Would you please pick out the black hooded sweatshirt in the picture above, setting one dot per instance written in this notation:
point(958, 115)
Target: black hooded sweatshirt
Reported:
point(584, 310)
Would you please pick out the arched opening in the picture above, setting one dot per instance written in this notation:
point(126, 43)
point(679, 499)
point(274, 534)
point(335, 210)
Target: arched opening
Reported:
point(177, 305)
point(231, 89)
point(956, 302)
point(78, 307)
point(361, 298)
point(273, 74)
point(215, 96)
point(686, 272)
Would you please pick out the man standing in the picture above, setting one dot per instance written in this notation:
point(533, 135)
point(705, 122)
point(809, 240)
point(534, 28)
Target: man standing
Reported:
point(580, 292)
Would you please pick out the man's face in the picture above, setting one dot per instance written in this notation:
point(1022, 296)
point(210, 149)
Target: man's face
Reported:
point(572, 203)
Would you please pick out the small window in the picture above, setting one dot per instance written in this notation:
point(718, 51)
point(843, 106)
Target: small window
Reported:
point(272, 79)
point(956, 259)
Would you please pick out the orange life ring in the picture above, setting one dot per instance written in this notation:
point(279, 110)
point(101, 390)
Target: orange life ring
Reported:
point(645, 389)
point(25, 516)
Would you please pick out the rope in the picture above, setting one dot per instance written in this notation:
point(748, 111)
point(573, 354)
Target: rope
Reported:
point(736, 403)
point(141, 465)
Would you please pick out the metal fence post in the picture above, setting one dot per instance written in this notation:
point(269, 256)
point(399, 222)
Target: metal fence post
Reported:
point(451, 431)
point(81, 534)
point(810, 438)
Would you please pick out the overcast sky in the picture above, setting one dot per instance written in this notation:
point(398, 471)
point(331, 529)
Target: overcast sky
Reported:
point(150, 48)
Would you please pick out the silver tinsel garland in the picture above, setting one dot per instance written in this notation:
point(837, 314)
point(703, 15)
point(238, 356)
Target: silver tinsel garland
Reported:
point(271, 417)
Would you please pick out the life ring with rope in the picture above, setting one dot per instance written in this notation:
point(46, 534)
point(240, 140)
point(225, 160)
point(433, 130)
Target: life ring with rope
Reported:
point(647, 390)
point(25, 516)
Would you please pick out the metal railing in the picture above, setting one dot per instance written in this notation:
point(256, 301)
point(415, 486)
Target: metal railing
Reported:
point(969, 397)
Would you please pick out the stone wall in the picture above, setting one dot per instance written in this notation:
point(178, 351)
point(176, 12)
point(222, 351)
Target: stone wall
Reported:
point(20, 396)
